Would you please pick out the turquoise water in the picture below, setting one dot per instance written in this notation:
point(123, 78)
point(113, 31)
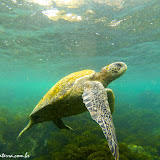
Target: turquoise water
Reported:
point(43, 41)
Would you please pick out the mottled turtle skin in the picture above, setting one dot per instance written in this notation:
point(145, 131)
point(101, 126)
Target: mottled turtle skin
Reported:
point(79, 92)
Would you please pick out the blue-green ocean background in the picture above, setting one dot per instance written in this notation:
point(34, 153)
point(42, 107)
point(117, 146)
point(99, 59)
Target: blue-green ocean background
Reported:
point(36, 51)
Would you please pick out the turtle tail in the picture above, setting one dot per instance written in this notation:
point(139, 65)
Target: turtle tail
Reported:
point(29, 125)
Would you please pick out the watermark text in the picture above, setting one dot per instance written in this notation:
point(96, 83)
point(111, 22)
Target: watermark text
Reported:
point(3, 155)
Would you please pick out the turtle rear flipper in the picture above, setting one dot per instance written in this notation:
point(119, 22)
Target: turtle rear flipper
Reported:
point(59, 123)
point(29, 125)
point(96, 101)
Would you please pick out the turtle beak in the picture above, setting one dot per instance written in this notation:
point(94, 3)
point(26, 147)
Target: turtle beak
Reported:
point(29, 125)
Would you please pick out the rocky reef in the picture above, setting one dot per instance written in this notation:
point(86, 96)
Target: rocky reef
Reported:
point(137, 133)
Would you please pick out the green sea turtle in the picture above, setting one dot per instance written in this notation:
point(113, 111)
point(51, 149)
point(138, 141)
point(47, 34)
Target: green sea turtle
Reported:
point(77, 93)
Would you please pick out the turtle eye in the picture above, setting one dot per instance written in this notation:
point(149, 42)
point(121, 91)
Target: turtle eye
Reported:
point(119, 65)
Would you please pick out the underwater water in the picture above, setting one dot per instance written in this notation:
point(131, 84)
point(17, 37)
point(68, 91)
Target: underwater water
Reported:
point(41, 41)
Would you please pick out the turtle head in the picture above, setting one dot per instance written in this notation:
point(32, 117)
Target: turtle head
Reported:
point(113, 71)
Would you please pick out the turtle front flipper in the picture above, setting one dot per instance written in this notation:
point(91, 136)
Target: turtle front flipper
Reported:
point(96, 101)
point(111, 99)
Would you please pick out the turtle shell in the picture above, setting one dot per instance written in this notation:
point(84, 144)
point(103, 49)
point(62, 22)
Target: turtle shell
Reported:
point(60, 90)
